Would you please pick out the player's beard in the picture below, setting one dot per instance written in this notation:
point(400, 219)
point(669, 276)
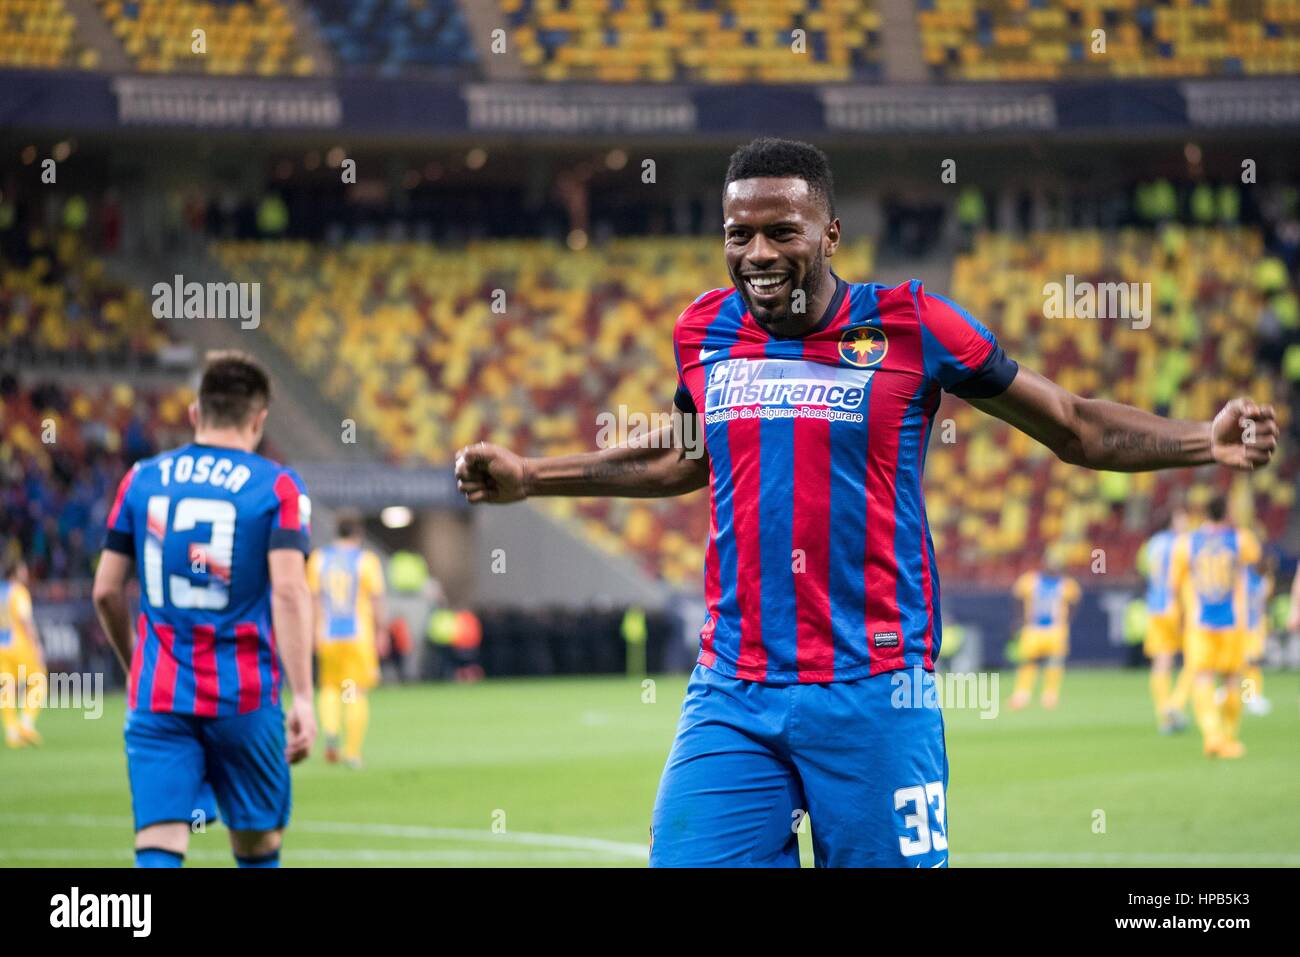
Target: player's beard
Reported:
point(782, 318)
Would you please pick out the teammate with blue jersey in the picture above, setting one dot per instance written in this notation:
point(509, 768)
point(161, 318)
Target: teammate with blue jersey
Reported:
point(815, 398)
point(219, 536)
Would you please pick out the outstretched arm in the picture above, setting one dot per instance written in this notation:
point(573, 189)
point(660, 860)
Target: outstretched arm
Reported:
point(654, 466)
point(1119, 438)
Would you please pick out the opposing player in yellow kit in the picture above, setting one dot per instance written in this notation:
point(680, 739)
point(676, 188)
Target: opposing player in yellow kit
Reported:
point(347, 581)
point(1212, 562)
point(1048, 596)
point(23, 682)
point(1164, 624)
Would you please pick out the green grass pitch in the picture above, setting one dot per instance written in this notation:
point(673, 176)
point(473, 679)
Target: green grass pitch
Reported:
point(562, 772)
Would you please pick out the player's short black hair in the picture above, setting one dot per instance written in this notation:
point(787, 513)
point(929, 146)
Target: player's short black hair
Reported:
point(770, 156)
point(233, 386)
point(347, 523)
point(1217, 508)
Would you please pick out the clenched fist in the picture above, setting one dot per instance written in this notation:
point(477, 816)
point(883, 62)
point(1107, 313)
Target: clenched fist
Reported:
point(489, 473)
point(1243, 435)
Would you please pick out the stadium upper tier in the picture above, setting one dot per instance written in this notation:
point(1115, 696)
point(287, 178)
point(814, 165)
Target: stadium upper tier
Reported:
point(1059, 39)
point(657, 41)
point(404, 338)
point(41, 33)
point(253, 37)
point(395, 36)
point(711, 41)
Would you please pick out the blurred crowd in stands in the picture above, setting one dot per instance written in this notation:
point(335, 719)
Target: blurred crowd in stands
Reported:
point(65, 449)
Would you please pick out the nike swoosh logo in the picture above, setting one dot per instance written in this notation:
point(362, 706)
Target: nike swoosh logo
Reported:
point(705, 353)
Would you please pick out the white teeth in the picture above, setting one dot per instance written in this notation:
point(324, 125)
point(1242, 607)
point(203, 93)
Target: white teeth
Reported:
point(766, 282)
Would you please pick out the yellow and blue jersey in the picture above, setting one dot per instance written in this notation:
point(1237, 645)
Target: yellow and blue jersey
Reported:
point(346, 580)
point(1211, 563)
point(1047, 598)
point(15, 611)
point(1158, 553)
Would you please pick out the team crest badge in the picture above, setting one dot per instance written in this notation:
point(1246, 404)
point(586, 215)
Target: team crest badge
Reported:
point(863, 346)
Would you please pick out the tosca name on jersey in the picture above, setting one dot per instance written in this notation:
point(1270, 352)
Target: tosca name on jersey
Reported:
point(200, 522)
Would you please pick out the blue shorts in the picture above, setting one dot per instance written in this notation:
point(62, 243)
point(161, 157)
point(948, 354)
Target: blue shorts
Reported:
point(864, 760)
point(177, 762)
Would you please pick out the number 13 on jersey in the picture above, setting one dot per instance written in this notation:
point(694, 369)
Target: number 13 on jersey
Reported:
point(207, 559)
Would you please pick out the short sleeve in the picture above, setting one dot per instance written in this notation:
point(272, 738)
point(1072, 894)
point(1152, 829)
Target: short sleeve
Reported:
point(960, 354)
point(120, 536)
point(682, 398)
point(1023, 586)
point(291, 523)
point(1072, 592)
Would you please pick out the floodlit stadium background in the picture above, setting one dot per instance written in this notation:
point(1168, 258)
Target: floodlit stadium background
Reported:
point(478, 220)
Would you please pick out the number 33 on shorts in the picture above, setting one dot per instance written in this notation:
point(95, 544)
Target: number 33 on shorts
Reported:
point(919, 810)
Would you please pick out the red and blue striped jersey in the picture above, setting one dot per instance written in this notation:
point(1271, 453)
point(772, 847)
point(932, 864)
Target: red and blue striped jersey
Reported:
point(820, 565)
point(199, 522)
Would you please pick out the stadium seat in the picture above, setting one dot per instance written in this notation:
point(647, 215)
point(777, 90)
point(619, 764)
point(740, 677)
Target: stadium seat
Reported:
point(1012, 40)
point(241, 37)
point(729, 41)
point(36, 34)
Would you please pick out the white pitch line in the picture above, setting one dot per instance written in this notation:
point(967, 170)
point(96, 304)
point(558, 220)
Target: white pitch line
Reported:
point(576, 844)
point(528, 838)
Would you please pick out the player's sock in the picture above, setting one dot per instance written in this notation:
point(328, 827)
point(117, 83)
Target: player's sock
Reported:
point(1026, 675)
point(1207, 712)
point(1161, 683)
point(157, 857)
point(1182, 689)
point(331, 711)
point(1053, 675)
point(266, 860)
point(9, 715)
point(356, 715)
point(1230, 712)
